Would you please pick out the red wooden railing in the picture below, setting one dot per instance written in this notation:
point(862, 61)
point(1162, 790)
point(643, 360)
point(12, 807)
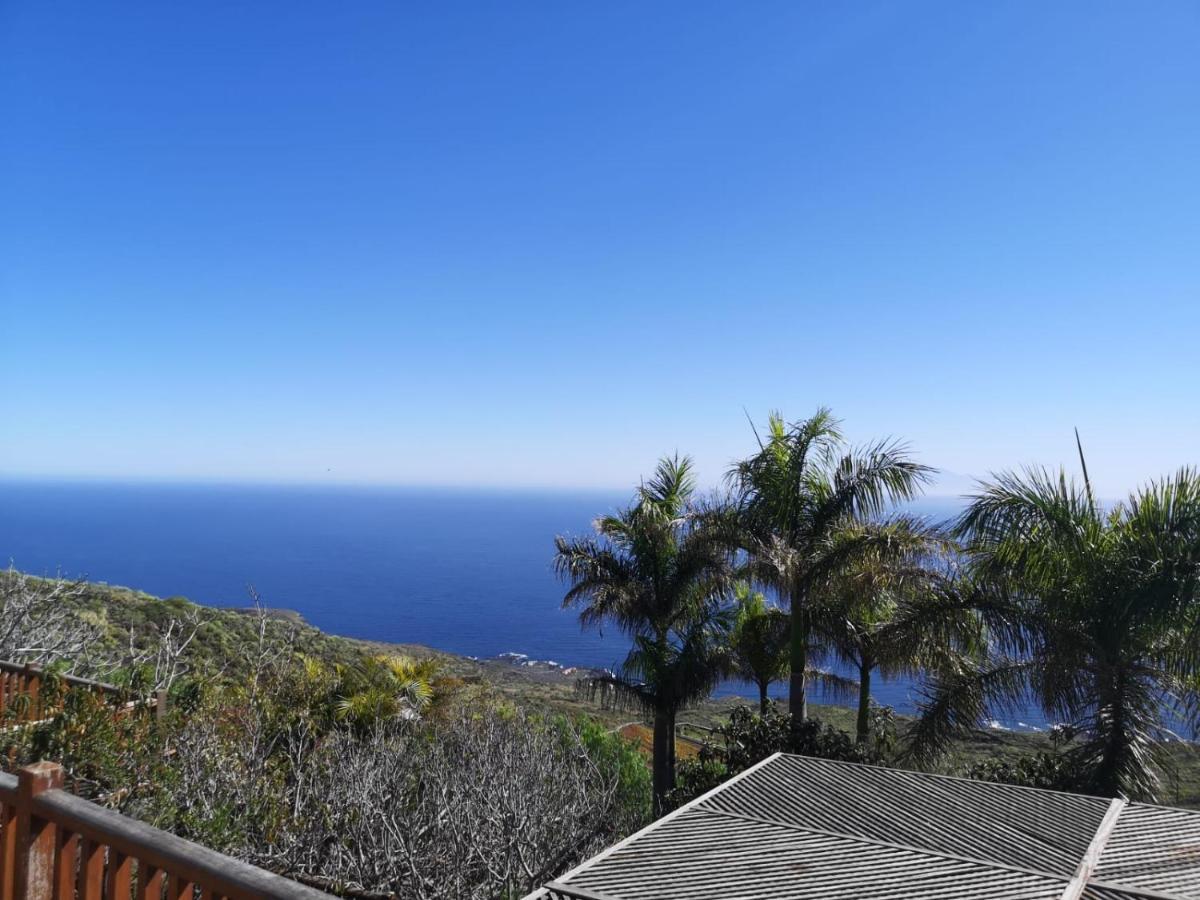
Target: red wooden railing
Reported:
point(25, 700)
point(56, 846)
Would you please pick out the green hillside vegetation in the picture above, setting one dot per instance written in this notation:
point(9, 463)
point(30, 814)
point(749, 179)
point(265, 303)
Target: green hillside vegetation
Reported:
point(225, 644)
point(269, 719)
point(222, 642)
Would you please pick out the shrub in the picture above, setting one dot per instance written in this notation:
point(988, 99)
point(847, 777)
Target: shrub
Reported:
point(694, 777)
point(1053, 771)
point(621, 759)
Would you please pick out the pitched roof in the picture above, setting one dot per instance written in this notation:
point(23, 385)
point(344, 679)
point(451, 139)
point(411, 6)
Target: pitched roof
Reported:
point(798, 828)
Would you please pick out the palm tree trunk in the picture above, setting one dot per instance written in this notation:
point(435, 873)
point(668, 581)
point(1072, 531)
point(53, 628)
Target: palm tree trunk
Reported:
point(797, 685)
point(863, 726)
point(663, 768)
point(764, 701)
point(670, 751)
point(1118, 769)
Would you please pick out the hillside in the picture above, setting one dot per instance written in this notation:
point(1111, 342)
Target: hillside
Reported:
point(227, 640)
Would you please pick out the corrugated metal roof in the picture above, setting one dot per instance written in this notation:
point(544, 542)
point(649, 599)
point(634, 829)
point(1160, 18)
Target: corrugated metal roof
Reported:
point(1154, 848)
point(1095, 891)
point(1039, 830)
point(709, 854)
point(797, 828)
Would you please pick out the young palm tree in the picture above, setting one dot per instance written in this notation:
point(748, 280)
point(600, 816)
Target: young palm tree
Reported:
point(759, 641)
point(898, 616)
point(1102, 619)
point(383, 687)
point(799, 500)
point(655, 572)
point(661, 677)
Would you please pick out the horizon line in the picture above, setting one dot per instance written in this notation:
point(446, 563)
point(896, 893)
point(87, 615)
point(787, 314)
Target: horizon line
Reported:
point(249, 482)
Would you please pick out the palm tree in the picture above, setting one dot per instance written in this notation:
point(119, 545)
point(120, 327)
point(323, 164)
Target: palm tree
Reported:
point(1099, 619)
point(382, 687)
point(661, 677)
point(759, 641)
point(655, 572)
point(799, 502)
point(898, 615)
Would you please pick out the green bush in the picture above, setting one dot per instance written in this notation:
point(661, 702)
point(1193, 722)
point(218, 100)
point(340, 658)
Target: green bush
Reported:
point(612, 753)
point(1056, 771)
point(694, 777)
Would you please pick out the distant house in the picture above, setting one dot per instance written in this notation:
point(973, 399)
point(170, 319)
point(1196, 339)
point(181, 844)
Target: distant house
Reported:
point(799, 828)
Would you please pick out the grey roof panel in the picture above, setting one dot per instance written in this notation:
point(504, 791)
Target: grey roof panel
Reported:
point(703, 854)
point(1039, 830)
point(1154, 848)
point(1095, 891)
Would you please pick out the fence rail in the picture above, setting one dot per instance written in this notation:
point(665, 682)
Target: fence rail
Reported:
point(56, 846)
point(24, 696)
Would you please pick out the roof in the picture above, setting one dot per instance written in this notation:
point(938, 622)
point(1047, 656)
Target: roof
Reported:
point(799, 828)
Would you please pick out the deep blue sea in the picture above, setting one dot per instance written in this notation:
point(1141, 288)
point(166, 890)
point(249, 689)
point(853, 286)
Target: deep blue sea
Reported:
point(467, 571)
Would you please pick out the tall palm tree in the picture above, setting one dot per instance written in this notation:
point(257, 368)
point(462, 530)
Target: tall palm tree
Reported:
point(798, 503)
point(657, 573)
point(1100, 616)
point(759, 641)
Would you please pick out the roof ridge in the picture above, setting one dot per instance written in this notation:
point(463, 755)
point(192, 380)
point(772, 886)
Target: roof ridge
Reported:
point(1091, 856)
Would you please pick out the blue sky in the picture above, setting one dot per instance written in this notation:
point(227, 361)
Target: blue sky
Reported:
point(543, 243)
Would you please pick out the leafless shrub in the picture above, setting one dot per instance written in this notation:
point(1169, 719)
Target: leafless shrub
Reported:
point(488, 805)
point(476, 802)
point(272, 651)
point(40, 621)
point(482, 805)
point(232, 761)
point(165, 656)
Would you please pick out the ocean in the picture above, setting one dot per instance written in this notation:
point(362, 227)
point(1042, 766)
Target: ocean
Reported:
point(466, 571)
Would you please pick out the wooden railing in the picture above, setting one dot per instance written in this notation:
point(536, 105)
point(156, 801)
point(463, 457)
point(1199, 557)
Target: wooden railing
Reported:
point(56, 846)
point(24, 697)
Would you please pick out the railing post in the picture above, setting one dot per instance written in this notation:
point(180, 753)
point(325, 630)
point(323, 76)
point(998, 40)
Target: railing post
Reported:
point(33, 684)
point(36, 838)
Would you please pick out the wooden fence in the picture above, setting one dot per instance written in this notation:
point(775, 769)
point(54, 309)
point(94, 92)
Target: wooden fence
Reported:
point(24, 696)
point(56, 846)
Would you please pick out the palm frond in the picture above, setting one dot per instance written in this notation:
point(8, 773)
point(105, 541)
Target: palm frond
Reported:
point(662, 573)
point(614, 692)
point(832, 684)
point(865, 482)
point(759, 639)
point(955, 703)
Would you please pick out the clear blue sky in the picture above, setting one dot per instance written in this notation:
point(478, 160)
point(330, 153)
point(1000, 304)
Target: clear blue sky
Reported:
point(543, 243)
